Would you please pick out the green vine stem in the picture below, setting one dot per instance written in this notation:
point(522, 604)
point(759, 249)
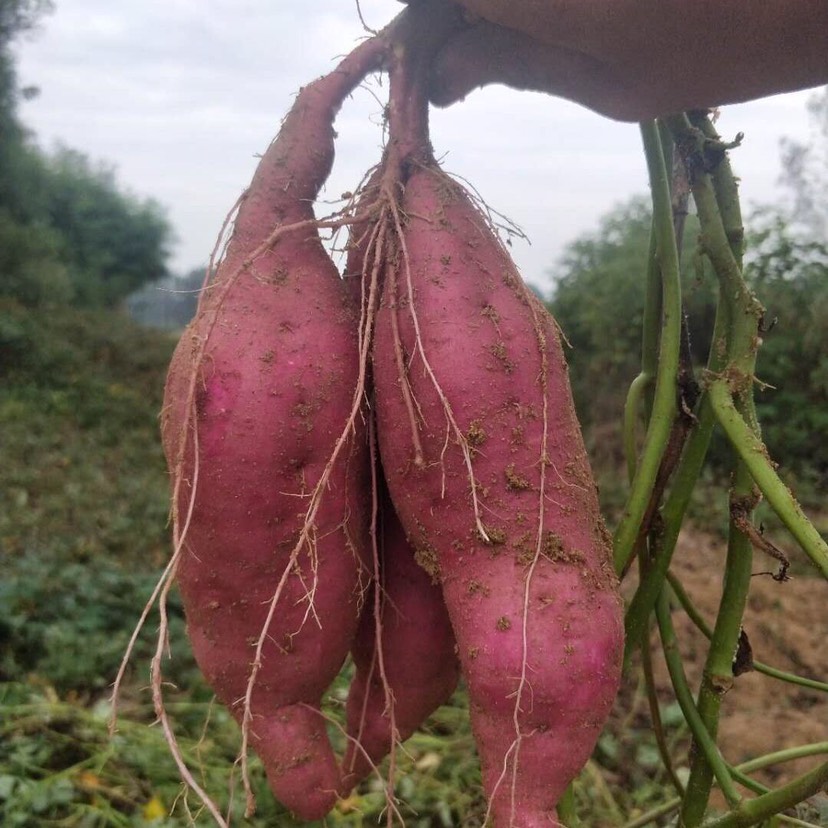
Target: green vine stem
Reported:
point(742, 345)
point(755, 456)
point(786, 755)
point(717, 677)
point(731, 398)
point(724, 185)
point(753, 811)
point(664, 401)
point(661, 553)
point(702, 738)
point(769, 759)
point(632, 406)
point(746, 782)
point(651, 323)
point(653, 814)
point(695, 451)
point(783, 818)
point(693, 614)
point(791, 678)
point(655, 717)
point(728, 400)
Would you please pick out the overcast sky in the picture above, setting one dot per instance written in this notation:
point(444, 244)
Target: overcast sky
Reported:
point(180, 95)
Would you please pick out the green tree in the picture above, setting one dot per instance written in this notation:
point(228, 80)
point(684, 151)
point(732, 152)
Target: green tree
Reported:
point(111, 243)
point(68, 233)
point(598, 301)
point(789, 272)
point(16, 158)
point(16, 17)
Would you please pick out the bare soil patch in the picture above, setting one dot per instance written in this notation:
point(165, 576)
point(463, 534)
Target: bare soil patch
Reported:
point(787, 626)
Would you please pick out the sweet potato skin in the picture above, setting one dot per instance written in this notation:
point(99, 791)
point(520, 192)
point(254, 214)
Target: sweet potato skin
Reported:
point(419, 654)
point(419, 659)
point(489, 343)
point(273, 393)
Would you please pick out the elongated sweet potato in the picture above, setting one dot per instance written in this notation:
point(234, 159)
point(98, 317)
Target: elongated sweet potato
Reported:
point(391, 697)
point(498, 498)
point(399, 684)
point(271, 470)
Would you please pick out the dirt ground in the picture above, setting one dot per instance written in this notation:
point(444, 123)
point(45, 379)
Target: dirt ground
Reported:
point(787, 626)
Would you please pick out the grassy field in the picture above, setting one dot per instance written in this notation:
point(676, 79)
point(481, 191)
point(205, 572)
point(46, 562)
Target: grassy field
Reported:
point(83, 514)
point(83, 528)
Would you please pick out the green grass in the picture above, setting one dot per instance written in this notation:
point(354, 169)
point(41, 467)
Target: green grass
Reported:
point(84, 536)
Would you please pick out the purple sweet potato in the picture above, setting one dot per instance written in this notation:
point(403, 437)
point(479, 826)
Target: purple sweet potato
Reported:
point(398, 685)
point(390, 698)
point(256, 432)
point(498, 498)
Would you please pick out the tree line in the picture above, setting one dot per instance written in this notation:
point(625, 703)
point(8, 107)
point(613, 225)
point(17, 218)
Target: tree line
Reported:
point(69, 235)
point(598, 300)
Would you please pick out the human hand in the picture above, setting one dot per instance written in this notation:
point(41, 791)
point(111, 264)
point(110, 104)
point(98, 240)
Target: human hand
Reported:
point(634, 59)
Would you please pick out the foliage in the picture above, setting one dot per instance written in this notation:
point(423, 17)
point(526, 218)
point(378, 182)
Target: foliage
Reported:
point(71, 235)
point(598, 300)
point(112, 243)
point(30, 263)
point(68, 232)
point(57, 762)
point(68, 623)
point(16, 17)
point(790, 273)
point(75, 388)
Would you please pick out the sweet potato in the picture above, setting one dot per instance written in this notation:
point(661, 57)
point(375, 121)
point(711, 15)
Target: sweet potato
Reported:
point(397, 686)
point(498, 497)
point(267, 458)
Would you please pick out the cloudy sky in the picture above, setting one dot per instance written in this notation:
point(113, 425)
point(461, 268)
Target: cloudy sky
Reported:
point(180, 95)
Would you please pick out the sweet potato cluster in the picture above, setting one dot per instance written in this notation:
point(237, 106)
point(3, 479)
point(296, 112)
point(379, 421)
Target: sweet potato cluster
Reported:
point(387, 463)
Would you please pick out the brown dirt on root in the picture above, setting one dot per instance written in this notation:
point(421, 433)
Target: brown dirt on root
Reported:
point(787, 626)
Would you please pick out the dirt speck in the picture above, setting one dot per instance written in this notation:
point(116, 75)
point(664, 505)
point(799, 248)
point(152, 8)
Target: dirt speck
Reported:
point(514, 480)
point(496, 536)
point(503, 623)
point(490, 313)
point(426, 557)
point(524, 549)
point(475, 436)
point(523, 412)
point(475, 588)
point(279, 277)
point(499, 352)
point(518, 437)
point(555, 550)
